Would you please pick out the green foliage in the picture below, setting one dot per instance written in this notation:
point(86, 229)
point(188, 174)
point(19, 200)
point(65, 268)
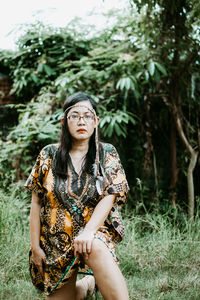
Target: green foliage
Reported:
point(149, 55)
point(14, 244)
point(159, 255)
point(115, 123)
point(38, 125)
point(42, 51)
point(158, 260)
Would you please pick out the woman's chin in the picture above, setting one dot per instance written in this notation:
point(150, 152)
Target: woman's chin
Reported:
point(81, 137)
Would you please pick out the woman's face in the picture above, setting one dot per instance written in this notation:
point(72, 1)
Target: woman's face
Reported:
point(81, 121)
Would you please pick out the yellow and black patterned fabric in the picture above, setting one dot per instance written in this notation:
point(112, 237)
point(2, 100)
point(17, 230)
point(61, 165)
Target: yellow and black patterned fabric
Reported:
point(66, 206)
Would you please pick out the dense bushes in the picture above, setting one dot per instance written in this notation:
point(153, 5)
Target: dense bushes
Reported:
point(147, 102)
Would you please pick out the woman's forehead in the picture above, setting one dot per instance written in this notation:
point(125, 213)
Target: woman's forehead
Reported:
point(83, 106)
point(84, 103)
point(80, 109)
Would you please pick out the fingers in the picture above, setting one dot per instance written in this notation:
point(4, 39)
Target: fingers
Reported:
point(89, 247)
point(77, 248)
point(38, 257)
point(40, 265)
point(40, 269)
point(82, 246)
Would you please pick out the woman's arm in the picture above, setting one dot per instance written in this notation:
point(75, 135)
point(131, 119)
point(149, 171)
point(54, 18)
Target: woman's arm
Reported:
point(38, 255)
point(83, 242)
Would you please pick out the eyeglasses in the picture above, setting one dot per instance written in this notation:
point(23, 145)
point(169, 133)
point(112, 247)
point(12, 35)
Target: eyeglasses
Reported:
point(76, 117)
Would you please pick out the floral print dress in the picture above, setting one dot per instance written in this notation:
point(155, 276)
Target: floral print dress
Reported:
point(66, 206)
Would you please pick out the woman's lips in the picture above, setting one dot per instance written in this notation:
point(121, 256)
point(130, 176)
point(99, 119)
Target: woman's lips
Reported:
point(81, 130)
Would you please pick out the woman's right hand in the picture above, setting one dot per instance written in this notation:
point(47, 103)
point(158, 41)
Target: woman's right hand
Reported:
point(38, 258)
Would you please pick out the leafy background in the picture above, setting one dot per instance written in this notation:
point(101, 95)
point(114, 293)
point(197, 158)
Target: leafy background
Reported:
point(143, 72)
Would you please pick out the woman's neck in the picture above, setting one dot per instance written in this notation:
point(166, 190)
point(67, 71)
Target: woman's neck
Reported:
point(79, 147)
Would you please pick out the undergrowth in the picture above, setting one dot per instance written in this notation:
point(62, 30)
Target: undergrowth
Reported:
point(159, 256)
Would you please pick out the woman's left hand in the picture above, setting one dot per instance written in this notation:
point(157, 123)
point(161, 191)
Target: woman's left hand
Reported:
point(83, 243)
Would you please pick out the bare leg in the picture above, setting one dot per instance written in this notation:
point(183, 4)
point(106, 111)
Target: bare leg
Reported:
point(66, 292)
point(109, 278)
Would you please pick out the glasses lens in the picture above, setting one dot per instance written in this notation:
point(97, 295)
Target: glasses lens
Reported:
point(88, 117)
point(76, 117)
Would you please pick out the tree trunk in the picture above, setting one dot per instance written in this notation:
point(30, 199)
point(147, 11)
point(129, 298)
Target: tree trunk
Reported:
point(155, 174)
point(173, 162)
point(192, 164)
point(193, 153)
point(193, 161)
point(148, 146)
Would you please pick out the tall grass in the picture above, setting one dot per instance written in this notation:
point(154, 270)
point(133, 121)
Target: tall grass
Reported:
point(14, 247)
point(160, 259)
point(160, 255)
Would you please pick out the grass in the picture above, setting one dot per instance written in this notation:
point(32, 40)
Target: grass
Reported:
point(160, 261)
point(159, 258)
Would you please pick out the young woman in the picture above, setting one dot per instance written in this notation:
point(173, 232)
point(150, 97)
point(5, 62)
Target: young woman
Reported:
point(77, 186)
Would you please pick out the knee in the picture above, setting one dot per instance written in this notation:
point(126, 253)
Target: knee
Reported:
point(97, 252)
point(98, 248)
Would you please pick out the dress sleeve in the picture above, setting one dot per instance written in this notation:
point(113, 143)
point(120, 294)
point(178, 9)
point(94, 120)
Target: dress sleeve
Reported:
point(39, 173)
point(116, 182)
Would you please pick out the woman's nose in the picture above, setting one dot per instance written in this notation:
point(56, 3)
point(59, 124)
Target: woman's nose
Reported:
point(81, 120)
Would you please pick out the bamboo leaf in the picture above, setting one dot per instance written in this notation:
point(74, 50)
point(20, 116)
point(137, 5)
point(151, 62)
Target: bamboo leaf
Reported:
point(40, 67)
point(161, 68)
point(127, 83)
point(48, 70)
point(151, 68)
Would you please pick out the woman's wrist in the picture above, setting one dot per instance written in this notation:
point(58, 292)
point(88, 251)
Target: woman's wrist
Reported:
point(35, 248)
point(90, 230)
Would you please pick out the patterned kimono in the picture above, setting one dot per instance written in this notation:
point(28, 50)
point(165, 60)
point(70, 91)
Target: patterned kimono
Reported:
point(66, 206)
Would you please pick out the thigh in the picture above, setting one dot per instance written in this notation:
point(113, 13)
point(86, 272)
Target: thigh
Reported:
point(108, 276)
point(66, 292)
point(99, 255)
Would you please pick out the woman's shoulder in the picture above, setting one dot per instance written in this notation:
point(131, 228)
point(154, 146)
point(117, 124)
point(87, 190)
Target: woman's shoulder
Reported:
point(50, 149)
point(107, 146)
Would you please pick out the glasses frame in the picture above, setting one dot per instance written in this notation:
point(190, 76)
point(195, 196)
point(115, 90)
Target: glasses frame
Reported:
point(79, 117)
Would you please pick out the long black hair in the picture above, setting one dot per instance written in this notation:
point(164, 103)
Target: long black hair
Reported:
point(62, 155)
